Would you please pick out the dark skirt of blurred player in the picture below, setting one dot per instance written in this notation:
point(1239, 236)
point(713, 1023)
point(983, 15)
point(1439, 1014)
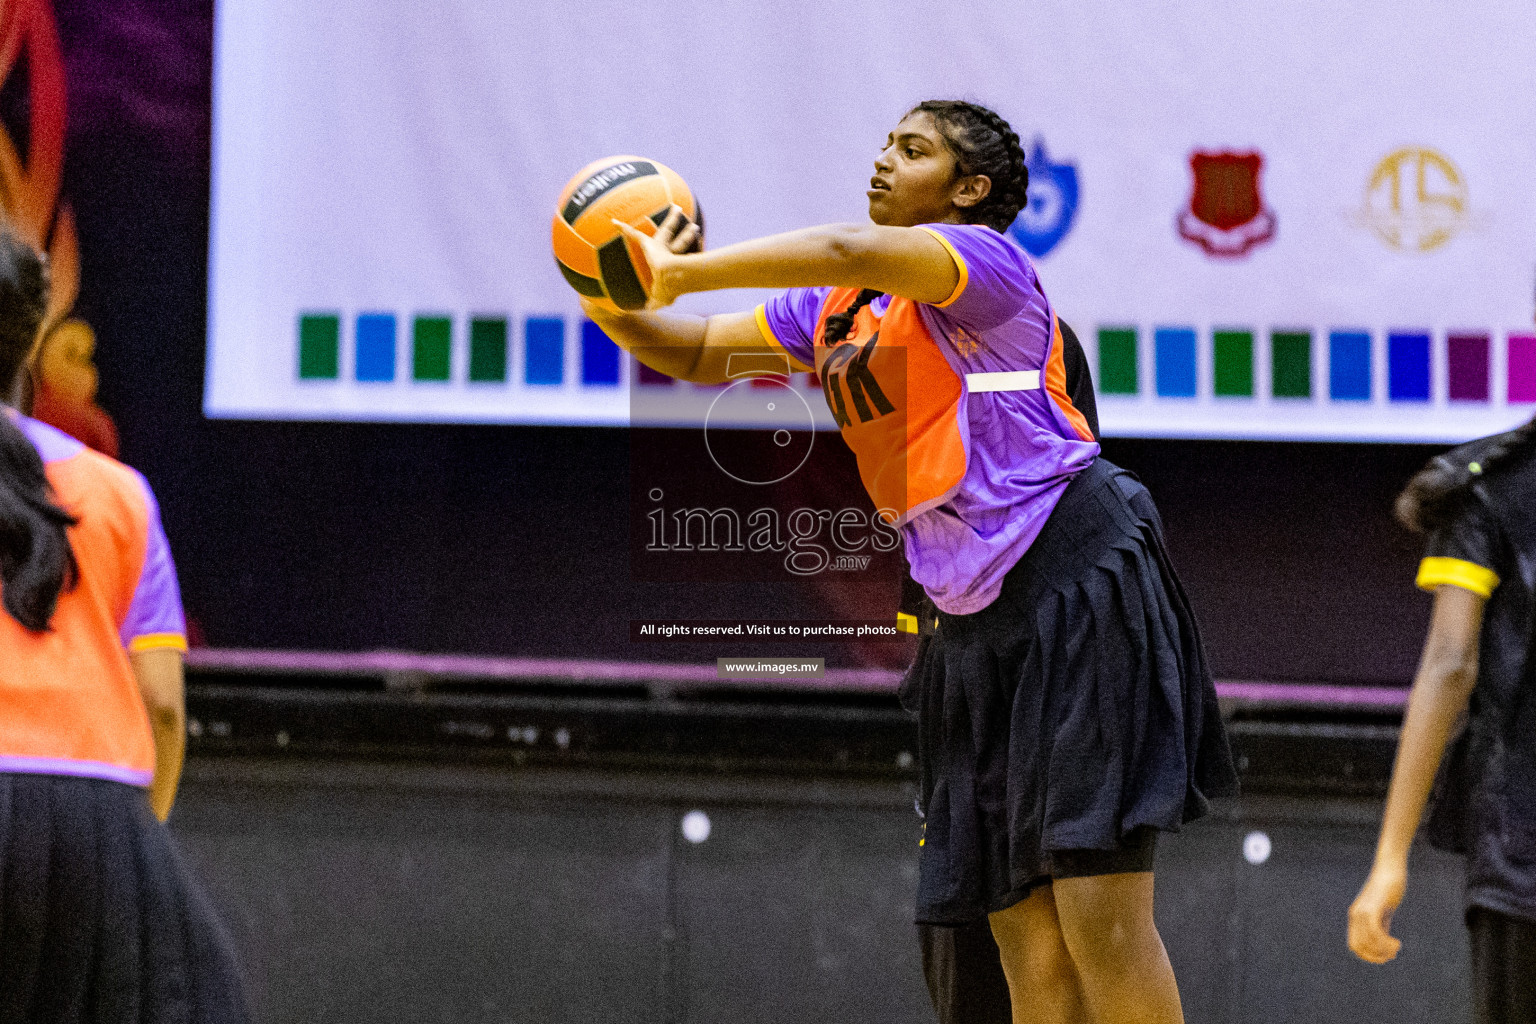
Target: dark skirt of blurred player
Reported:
point(100, 922)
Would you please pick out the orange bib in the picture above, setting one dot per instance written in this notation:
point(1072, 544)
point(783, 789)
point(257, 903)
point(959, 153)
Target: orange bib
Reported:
point(897, 402)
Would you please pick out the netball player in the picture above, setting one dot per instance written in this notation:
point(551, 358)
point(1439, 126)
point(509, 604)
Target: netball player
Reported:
point(1066, 713)
point(1478, 505)
point(99, 921)
point(961, 965)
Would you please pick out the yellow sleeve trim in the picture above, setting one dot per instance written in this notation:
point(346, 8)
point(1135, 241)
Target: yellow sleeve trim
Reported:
point(774, 342)
point(906, 623)
point(158, 641)
point(965, 274)
point(1435, 572)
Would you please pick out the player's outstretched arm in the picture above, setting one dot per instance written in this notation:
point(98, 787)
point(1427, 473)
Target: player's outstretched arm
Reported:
point(909, 262)
point(905, 261)
point(1447, 673)
point(681, 345)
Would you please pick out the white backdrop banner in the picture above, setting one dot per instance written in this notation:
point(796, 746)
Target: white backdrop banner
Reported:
point(1276, 219)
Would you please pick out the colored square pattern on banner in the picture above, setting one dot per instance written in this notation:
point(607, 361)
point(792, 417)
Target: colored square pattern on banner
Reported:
point(1409, 361)
point(1233, 376)
point(1408, 367)
point(1522, 367)
point(1117, 361)
point(1467, 367)
point(1223, 364)
point(319, 346)
point(1175, 348)
point(1290, 365)
point(488, 349)
point(432, 348)
point(1349, 366)
point(376, 347)
point(599, 356)
point(544, 350)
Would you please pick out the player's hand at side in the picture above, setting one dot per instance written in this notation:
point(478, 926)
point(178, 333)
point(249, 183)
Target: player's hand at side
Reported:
point(1370, 916)
point(662, 252)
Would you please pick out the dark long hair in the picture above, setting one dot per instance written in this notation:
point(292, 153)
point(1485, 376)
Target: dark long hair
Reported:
point(982, 143)
point(1435, 494)
point(36, 560)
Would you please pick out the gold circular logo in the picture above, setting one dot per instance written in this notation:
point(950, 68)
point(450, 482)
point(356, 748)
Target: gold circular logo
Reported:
point(1416, 200)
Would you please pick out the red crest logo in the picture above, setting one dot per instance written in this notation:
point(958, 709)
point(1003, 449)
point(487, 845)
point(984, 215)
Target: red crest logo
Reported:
point(1226, 216)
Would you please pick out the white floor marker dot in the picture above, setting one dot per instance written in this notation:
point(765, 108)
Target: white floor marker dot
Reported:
point(696, 826)
point(1256, 848)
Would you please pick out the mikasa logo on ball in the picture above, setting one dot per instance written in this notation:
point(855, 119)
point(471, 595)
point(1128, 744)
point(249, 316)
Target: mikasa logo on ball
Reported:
point(601, 182)
point(601, 179)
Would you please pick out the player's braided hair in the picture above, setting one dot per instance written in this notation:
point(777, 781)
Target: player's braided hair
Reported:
point(983, 143)
point(840, 325)
point(1435, 494)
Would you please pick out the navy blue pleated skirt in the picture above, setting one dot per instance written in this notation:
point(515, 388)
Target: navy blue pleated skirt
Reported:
point(100, 922)
point(1074, 709)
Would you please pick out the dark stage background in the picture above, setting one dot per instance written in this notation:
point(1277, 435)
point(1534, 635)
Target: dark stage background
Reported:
point(512, 540)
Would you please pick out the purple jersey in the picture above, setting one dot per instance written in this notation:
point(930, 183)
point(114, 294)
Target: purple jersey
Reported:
point(986, 371)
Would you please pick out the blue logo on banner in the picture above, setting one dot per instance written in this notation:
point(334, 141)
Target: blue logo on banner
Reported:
point(1047, 217)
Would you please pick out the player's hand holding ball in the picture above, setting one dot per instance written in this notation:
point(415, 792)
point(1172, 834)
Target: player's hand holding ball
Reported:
point(674, 239)
point(617, 224)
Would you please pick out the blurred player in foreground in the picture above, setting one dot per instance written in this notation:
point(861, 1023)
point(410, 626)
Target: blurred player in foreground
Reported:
point(100, 923)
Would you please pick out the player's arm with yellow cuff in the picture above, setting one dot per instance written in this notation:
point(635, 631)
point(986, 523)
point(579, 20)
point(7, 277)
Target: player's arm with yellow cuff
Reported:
point(1457, 572)
point(911, 262)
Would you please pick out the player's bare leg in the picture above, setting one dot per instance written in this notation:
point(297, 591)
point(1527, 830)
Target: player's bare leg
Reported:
point(1121, 964)
point(1042, 981)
